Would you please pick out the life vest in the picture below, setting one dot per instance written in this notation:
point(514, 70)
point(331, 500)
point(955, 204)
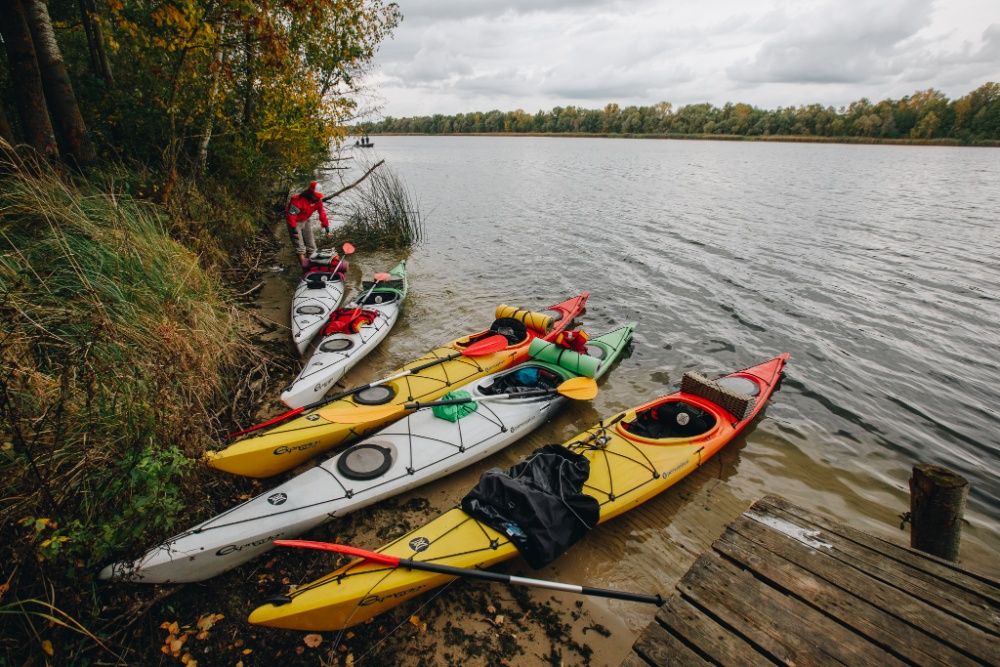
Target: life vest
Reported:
point(348, 320)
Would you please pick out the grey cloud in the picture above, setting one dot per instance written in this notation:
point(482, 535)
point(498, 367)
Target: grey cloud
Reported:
point(422, 11)
point(831, 45)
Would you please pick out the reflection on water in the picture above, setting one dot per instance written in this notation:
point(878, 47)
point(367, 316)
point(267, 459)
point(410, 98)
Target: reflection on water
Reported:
point(875, 266)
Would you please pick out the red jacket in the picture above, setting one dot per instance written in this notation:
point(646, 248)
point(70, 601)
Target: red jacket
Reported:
point(305, 208)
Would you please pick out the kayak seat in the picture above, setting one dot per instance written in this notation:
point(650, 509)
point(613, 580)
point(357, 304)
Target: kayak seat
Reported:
point(737, 404)
point(511, 329)
point(671, 419)
point(381, 297)
point(526, 378)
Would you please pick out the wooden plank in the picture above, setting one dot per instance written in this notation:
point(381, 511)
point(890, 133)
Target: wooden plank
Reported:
point(889, 599)
point(716, 641)
point(948, 571)
point(935, 591)
point(659, 647)
point(892, 634)
point(783, 626)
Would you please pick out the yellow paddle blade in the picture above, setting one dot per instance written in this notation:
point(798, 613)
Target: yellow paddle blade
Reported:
point(578, 388)
point(361, 414)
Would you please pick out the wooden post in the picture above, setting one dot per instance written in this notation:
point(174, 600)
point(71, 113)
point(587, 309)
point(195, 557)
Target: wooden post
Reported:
point(937, 502)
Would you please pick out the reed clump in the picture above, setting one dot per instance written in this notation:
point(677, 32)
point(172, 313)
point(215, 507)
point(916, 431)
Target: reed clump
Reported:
point(114, 348)
point(382, 214)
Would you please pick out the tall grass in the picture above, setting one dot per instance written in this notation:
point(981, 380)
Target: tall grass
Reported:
point(114, 346)
point(382, 213)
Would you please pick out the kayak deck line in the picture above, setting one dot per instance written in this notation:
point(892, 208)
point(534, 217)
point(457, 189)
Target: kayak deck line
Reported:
point(782, 582)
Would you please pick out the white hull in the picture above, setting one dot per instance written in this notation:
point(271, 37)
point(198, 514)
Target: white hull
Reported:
point(325, 368)
point(311, 307)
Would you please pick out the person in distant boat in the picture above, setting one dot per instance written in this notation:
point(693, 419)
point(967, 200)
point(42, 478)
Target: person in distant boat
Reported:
point(300, 209)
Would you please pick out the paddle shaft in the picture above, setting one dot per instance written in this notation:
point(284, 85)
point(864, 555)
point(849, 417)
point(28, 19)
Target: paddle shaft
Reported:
point(487, 575)
point(417, 405)
point(347, 392)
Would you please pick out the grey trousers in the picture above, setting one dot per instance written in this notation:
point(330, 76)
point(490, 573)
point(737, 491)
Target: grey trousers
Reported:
point(303, 238)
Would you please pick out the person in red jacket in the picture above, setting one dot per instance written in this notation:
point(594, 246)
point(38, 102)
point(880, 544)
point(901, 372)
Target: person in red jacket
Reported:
point(300, 209)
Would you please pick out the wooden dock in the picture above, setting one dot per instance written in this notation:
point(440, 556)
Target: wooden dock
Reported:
point(785, 586)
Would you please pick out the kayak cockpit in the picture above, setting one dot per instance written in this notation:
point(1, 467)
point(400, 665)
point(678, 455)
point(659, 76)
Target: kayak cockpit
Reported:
point(522, 379)
point(673, 418)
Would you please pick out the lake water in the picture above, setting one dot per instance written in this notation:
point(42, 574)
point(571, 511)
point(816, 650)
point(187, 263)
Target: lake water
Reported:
point(876, 267)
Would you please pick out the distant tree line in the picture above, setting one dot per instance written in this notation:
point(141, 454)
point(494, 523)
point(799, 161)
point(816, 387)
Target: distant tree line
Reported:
point(924, 115)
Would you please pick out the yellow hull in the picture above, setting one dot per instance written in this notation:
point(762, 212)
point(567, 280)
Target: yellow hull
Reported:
point(296, 441)
point(625, 471)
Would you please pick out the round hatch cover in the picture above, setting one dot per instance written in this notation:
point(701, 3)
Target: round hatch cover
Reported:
point(310, 309)
point(364, 461)
point(595, 351)
point(739, 385)
point(374, 395)
point(336, 345)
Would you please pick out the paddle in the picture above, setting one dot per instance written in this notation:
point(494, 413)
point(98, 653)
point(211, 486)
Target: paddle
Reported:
point(480, 348)
point(578, 388)
point(470, 573)
point(348, 250)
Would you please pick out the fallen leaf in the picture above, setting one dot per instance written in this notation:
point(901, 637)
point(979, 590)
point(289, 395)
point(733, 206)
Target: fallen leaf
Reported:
point(499, 619)
point(3, 590)
point(47, 647)
point(491, 609)
point(177, 645)
point(208, 620)
point(203, 635)
point(247, 651)
point(313, 640)
point(349, 635)
point(349, 661)
point(415, 620)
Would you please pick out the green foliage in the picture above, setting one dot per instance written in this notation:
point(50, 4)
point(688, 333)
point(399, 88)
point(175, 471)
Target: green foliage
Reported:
point(114, 339)
point(925, 115)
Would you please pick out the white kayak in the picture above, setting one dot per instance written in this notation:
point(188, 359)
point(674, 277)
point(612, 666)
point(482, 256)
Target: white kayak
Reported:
point(345, 345)
point(317, 295)
point(413, 451)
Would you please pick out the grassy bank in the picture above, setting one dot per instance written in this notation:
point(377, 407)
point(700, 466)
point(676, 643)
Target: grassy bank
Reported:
point(789, 138)
point(119, 354)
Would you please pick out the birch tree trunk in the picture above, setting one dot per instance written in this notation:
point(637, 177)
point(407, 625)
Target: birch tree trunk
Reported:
point(65, 112)
point(30, 97)
point(213, 92)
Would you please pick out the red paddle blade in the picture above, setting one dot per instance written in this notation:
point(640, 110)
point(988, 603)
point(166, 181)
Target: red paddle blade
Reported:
point(270, 422)
point(340, 549)
point(348, 249)
point(485, 346)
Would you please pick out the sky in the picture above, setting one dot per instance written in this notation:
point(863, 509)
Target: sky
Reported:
point(454, 56)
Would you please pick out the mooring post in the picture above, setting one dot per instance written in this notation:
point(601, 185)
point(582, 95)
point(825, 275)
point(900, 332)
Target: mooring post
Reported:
point(937, 503)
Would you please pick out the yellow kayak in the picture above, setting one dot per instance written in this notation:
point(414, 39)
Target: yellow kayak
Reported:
point(297, 440)
point(634, 456)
